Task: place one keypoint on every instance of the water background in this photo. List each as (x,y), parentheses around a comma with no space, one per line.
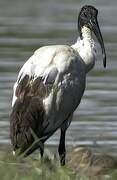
(26,25)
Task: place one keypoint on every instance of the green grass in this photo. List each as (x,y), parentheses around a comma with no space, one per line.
(78,167)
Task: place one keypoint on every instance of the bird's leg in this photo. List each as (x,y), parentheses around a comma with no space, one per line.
(61,148)
(42,151)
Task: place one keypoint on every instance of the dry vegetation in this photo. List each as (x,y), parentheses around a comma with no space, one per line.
(81,165)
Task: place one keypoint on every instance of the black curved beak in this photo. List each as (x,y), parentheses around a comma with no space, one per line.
(95,28)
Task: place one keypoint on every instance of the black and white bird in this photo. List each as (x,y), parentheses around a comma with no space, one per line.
(50,86)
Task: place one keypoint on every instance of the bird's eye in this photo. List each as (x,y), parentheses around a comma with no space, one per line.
(85,15)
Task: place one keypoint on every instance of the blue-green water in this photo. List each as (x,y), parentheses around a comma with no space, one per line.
(26,25)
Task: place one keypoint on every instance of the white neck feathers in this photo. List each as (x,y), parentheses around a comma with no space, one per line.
(86,48)
(86,33)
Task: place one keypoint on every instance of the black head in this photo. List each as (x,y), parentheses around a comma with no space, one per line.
(88,17)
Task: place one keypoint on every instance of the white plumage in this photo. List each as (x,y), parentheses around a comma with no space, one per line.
(70,77)
(59,56)
(69,82)
(62,70)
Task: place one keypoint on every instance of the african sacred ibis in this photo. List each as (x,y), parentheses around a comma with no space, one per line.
(50,86)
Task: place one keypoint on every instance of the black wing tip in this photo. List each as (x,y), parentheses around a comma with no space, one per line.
(25,115)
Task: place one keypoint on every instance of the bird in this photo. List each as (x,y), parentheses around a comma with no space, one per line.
(50,86)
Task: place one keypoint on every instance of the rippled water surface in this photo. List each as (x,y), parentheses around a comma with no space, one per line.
(26,25)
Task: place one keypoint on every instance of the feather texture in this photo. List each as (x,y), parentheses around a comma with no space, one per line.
(55,77)
(50,86)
